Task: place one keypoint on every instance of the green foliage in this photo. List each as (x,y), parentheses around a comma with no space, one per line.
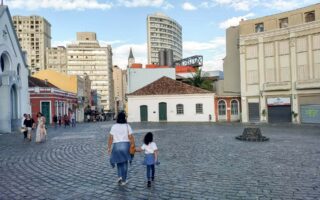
(198,80)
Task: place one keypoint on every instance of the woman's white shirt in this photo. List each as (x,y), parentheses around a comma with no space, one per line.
(120,132)
(150,148)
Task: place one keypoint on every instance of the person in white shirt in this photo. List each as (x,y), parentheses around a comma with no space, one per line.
(118,147)
(151,156)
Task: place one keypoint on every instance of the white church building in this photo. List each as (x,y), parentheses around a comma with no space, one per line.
(14,96)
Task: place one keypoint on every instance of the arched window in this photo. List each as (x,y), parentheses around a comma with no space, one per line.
(2,63)
(222,107)
(234,107)
(180,110)
(18,70)
(310,16)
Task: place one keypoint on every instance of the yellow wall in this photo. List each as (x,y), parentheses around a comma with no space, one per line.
(62,81)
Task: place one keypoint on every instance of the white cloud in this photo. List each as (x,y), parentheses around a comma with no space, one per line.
(145,3)
(188,6)
(61,43)
(282,5)
(191,47)
(59,4)
(121,54)
(234,21)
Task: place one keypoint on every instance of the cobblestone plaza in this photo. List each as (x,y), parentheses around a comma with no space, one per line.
(198,161)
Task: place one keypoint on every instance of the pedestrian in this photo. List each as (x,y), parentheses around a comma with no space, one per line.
(30,125)
(150,156)
(55,121)
(73,119)
(59,119)
(41,128)
(66,120)
(118,147)
(88,118)
(24,130)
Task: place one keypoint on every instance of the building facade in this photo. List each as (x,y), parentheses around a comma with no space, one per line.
(13,76)
(280,67)
(70,83)
(86,56)
(169,100)
(163,33)
(34,33)
(56,59)
(119,93)
(50,100)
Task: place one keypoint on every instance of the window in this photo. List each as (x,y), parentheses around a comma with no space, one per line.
(283,23)
(222,107)
(18,70)
(309,16)
(199,108)
(259,27)
(179,109)
(234,107)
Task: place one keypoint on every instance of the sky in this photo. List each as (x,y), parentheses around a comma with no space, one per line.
(122,23)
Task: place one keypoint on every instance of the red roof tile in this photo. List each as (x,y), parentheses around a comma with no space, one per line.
(35,82)
(168,86)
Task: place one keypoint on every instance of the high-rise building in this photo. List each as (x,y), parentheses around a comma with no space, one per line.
(163,33)
(34,34)
(118,89)
(86,56)
(56,59)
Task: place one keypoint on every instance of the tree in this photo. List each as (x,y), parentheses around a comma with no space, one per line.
(198,80)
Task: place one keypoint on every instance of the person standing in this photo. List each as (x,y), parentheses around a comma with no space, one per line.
(29,124)
(73,119)
(25,133)
(118,147)
(55,121)
(41,128)
(59,119)
(150,156)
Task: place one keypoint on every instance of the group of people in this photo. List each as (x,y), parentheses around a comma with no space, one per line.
(66,120)
(28,125)
(119,150)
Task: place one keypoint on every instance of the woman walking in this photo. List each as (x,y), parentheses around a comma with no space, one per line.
(29,124)
(41,128)
(118,147)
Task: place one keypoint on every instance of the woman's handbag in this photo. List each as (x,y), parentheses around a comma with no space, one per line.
(132,149)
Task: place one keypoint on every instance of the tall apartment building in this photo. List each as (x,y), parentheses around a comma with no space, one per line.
(280,67)
(163,33)
(56,59)
(119,95)
(85,55)
(34,34)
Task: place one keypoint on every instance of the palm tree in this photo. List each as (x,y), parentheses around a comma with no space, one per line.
(198,80)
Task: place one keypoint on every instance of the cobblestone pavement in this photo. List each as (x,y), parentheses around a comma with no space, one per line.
(198,161)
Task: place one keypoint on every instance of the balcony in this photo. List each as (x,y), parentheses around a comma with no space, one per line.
(277,86)
(308,84)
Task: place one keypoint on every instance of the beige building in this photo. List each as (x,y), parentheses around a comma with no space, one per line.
(280,67)
(119,95)
(34,34)
(86,56)
(163,33)
(56,59)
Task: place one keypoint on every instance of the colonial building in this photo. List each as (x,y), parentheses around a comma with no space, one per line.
(70,83)
(87,56)
(34,33)
(280,67)
(14,97)
(50,100)
(169,100)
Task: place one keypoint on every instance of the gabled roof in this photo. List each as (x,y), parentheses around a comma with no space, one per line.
(35,82)
(168,86)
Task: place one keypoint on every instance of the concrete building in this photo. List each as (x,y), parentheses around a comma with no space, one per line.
(280,67)
(56,59)
(34,33)
(13,76)
(169,100)
(138,78)
(163,33)
(81,86)
(86,56)
(119,93)
(50,100)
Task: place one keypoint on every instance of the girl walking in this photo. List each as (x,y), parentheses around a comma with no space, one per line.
(150,156)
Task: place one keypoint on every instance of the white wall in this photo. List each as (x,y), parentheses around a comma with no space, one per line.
(138,78)
(188,100)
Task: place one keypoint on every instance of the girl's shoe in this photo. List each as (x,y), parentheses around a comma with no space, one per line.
(119,181)
(123,183)
(149,183)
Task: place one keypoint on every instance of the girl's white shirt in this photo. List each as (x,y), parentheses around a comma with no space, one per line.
(150,148)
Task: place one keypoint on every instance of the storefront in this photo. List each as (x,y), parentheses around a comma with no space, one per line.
(309,107)
(279,109)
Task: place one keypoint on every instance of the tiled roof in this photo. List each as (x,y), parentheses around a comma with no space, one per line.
(168,86)
(35,82)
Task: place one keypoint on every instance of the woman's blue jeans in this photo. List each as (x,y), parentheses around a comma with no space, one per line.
(122,170)
(150,172)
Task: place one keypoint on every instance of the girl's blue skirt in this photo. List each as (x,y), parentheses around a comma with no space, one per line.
(120,153)
(149,159)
